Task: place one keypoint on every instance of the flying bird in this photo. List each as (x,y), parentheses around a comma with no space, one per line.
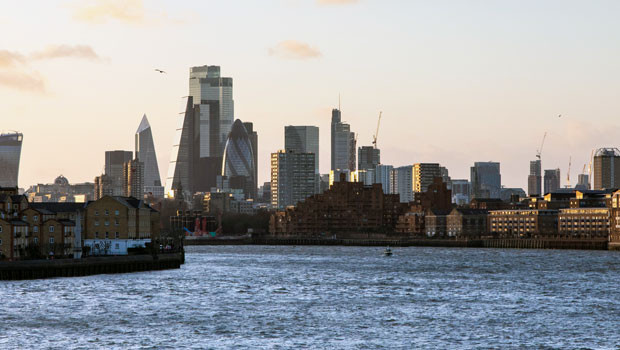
(160,71)
(560,116)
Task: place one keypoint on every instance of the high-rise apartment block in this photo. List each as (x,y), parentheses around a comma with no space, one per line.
(403,183)
(534,179)
(461,190)
(343,144)
(424,174)
(10,153)
(368,158)
(606,168)
(133,179)
(486,180)
(384,176)
(292,177)
(552,180)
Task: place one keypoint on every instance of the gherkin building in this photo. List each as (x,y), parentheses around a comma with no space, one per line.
(238,162)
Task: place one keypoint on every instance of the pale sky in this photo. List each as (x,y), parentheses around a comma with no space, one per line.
(457,81)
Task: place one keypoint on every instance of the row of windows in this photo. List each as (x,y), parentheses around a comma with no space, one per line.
(107,223)
(107,212)
(107,235)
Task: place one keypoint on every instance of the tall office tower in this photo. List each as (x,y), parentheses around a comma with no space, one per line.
(534,179)
(10,153)
(253,135)
(552,180)
(583,182)
(460,191)
(486,180)
(606,168)
(292,177)
(114,169)
(145,153)
(103,186)
(368,158)
(133,179)
(197,151)
(383,176)
(303,139)
(403,183)
(238,161)
(424,174)
(343,144)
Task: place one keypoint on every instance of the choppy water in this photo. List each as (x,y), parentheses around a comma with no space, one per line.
(251,297)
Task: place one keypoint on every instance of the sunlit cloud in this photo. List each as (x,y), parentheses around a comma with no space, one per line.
(10,58)
(291,49)
(61,51)
(101,11)
(336,2)
(31,82)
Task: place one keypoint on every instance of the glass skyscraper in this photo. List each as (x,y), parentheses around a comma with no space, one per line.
(343,144)
(303,139)
(238,162)
(145,154)
(10,153)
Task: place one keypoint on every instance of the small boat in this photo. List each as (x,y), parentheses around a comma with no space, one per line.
(387,252)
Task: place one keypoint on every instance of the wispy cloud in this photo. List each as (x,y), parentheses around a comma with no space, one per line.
(100,11)
(16,71)
(24,81)
(336,2)
(10,58)
(62,51)
(292,49)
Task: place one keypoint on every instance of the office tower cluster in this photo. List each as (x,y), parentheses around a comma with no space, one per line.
(212,152)
(132,175)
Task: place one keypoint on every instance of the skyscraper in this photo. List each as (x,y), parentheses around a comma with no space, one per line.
(10,153)
(238,161)
(114,169)
(368,158)
(424,174)
(133,179)
(196,158)
(606,168)
(145,154)
(534,179)
(403,183)
(486,180)
(303,139)
(552,180)
(253,135)
(343,144)
(292,178)
(384,176)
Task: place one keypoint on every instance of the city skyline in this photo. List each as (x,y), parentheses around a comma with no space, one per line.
(453,105)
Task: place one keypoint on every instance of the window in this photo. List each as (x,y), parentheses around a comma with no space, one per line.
(116,235)
(35,229)
(96,234)
(96,212)
(107,223)
(116,212)
(36,240)
(35,218)
(116,246)
(25,218)
(0,228)
(107,212)
(51,240)
(96,222)
(0,242)
(107,235)
(51,228)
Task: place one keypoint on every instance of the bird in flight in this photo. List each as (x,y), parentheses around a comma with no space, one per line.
(159,70)
(560,116)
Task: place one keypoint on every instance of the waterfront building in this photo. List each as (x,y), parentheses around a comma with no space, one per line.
(197,152)
(145,154)
(238,161)
(343,144)
(115,224)
(437,199)
(486,180)
(584,222)
(403,183)
(424,174)
(460,191)
(523,222)
(534,179)
(465,222)
(384,176)
(10,153)
(292,178)
(614,227)
(346,208)
(552,180)
(606,168)
(435,223)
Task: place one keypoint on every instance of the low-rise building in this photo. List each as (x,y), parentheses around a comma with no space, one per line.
(584,222)
(523,222)
(463,222)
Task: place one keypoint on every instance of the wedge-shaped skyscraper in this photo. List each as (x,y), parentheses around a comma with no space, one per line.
(10,153)
(145,154)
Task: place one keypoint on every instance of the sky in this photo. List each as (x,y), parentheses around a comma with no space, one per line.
(457,81)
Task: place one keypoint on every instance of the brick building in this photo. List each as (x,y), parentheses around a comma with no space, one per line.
(523,222)
(462,222)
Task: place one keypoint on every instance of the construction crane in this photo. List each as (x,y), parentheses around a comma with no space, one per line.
(374,138)
(539,150)
(568,172)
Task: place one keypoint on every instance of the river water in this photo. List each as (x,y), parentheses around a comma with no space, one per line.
(265,297)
